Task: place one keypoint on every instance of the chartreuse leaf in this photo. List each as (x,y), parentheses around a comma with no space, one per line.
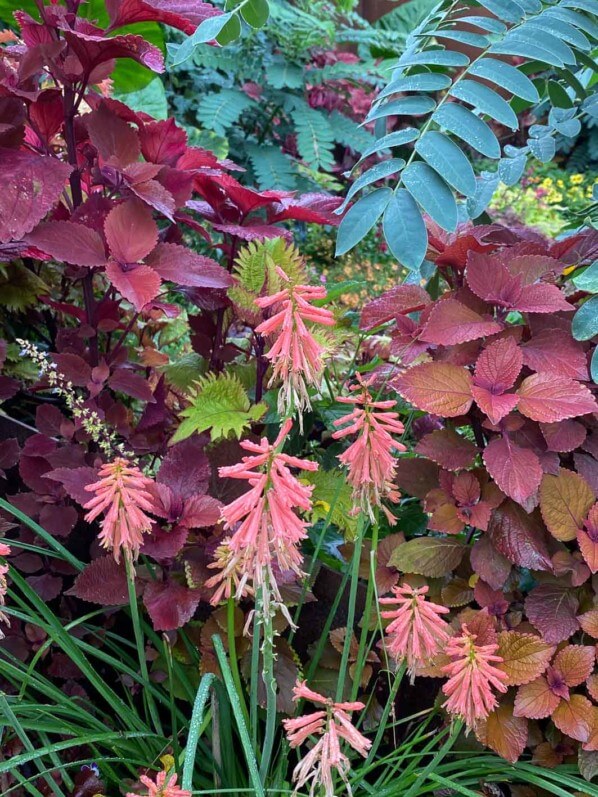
(331,499)
(219,403)
(405,230)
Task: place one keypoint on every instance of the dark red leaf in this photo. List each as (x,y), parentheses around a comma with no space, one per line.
(401,300)
(185,15)
(163,142)
(125,381)
(554,351)
(116,141)
(131,232)
(170,604)
(139,284)
(47,586)
(417,476)
(58,520)
(184,267)
(156,196)
(552,609)
(516,470)
(102,581)
(489,563)
(9,453)
(164,544)
(448,449)
(92,49)
(73,368)
(186,469)
(74,481)
(563,436)
(519,536)
(451,322)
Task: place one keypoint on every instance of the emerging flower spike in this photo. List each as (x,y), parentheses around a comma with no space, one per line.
(417,631)
(163,786)
(4,551)
(122,493)
(295,354)
(472,676)
(369,458)
(267,530)
(331,724)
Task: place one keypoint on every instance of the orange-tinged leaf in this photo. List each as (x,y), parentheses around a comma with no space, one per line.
(592,743)
(589,622)
(428,556)
(440,388)
(536,700)
(525,656)
(548,398)
(592,687)
(575,663)
(546,756)
(589,549)
(565,501)
(451,322)
(574,717)
(504,732)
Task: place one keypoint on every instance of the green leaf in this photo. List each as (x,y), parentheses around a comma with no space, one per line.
(432,193)
(486,101)
(415,105)
(360,218)
(558,95)
(425,81)
(255,12)
(561,30)
(377,172)
(447,159)
(284,74)
(511,169)
(405,230)
(463,37)
(349,133)
(230,32)
(486,186)
(272,168)
(434,58)
(428,556)
(397,139)
(332,498)
(150,99)
(220,110)
(588,280)
(220,403)
(594,366)
(470,128)
(573,18)
(503,9)
(585,320)
(542,148)
(315,139)
(183,372)
(208,30)
(531,45)
(507,76)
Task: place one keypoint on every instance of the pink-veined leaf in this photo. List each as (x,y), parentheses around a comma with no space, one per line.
(440,388)
(69,242)
(402,300)
(92,49)
(516,470)
(138,284)
(563,436)
(131,232)
(163,142)
(555,351)
(520,537)
(548,398)
(184,15)
(499,365)
(495,406)
(451,322)
(116,141)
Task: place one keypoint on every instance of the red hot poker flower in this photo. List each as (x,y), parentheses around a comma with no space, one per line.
(163,786)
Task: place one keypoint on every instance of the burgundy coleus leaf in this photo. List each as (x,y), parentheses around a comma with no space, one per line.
(552,609)
(58,520)
(163,142)
(402,300)
(31,186)
(519,536)
(123,380)
(74,481)
(404,340)
(456,504)
(417,477)
(490,279)
(451,322)
(489,563)
(9,454)
(555,351)
(164,544)
(184,15)
(200,511)
(452,248)
(116,141)
(102,581)
(184,267)
(496,371)
(170,604)
(93,49)
(310,208)
(448,449)
(47,586)
(563,436)
(186,469)
(68,242)
(587,539)
(547,398)
(516,470)
(150,191)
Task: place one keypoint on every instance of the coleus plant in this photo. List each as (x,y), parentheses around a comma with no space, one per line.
(505,462)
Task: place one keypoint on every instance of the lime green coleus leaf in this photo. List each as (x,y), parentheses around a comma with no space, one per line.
(332,500)
(221,404)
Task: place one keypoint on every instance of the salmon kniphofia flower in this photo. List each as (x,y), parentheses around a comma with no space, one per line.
(417,631)
(295,354)
(122,493)
(331,724)
(369,458)
(472,677)
(163,786)
(4,551)
(266,530)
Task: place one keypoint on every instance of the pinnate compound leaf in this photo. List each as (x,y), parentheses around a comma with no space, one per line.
(431,192)
(575,663)
(548,398)
(504,732)
(219,403)
(452,322)
(448,449)
(552,609)
(440,388)
(69,242)
(574,717)
(360,218)
(516,470)
(405,230)
(402,300)
(536,700)
(565,501)
(525,656)
(520,537)
(102,581)
(428,556)
(31,186)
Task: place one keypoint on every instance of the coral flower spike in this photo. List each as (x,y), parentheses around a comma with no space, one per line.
(122,494)
(370,458)
(295,354)
(163,786)
(472,678)
(417,631)
(4,551)
(331,724)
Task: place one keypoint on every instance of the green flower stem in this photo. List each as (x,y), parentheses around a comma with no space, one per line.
(364,648)
(269,679)
(387,709)
(195,728)
(342,673)
(232,653)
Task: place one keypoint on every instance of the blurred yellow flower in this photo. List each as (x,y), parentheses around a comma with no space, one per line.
(576,179)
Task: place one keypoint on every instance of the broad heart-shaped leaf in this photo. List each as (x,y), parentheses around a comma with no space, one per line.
(489,564)
(184,267)
(360,218)
(516,470)
(554,351)
(102,581)
(564,436)
(524,656)
(440,388)
(552,609)
(31,186)
(404,229)
(402,300)
(565,501)
(469,128)
(447,159)
(575,663)
(499,365)
(503,732)
(428,556)
(574,717)
(139,284)
(585,320)
(520,537)
(496,407)
(547,398)
(448,449)
(536,700)
(451,322)
(72,243)
(130,231)
(170,604)
(432,193)
(221,404)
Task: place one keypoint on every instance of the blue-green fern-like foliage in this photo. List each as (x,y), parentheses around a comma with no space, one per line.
(463,76)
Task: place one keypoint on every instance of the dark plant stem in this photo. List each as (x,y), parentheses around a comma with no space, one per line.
(478,432)
(215,362)
(261,367)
